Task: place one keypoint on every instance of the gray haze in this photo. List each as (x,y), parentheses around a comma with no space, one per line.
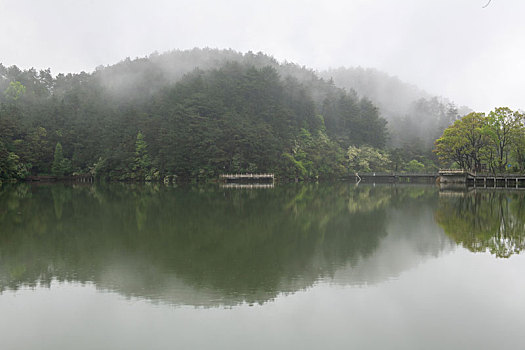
(457,49)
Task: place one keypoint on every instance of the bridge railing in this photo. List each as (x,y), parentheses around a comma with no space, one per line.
(246,175)
(510,175)
(396,174)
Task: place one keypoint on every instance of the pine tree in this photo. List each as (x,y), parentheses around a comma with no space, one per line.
(142,161)
(61,165)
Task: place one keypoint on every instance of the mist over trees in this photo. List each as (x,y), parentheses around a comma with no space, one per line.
(202,112)
(415,118)
(153,117)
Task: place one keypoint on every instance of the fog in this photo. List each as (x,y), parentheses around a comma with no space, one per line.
(459,50)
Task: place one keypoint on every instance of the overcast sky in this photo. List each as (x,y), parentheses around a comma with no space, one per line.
(453,48)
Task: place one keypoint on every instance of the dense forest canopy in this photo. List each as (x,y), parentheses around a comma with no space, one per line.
(196,114)
(479,142)
(415,118)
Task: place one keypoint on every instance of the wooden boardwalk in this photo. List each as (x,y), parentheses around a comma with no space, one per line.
(394,177)
(445,176)
(494,181)
(470,179)
(52,178)
(247,178)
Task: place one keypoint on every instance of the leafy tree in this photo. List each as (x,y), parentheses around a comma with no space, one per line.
(477,141)
(518,150)
(314,155)
(504,129)
(142,167)
(61,165)
(491,221)
(414,166)
(10,165)
(142,161)
(35,149)
(366,159)
(463,142)
(15,91)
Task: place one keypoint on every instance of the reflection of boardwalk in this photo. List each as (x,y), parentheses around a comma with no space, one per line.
(247,178)
(236,185)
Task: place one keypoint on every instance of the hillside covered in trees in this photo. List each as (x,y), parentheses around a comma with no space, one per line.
(415,118)
(193,114)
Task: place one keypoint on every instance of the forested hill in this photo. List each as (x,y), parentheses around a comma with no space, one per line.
(148,118)
(415,118)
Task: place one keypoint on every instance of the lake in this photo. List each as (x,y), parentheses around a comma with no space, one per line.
(298,266)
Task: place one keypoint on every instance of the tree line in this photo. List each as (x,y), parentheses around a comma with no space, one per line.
(149,118)
(236,118)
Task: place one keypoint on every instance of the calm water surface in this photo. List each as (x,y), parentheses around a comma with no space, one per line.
(292,267)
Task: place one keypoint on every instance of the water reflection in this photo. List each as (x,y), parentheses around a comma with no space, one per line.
(213,246)
(485,220)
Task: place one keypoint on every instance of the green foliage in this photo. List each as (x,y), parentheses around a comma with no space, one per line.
(137,121)
(206,238)
(294,168)
(142,161)
(61,165)
(504,130)
(491,221)
(315,155)
(415,120)
(478,142)
(35,148)
(10,165)
(14,91)
(142,167)
(414,166)
(367,159)
(353,121)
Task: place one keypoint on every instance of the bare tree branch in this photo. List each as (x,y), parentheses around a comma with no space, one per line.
(488,3)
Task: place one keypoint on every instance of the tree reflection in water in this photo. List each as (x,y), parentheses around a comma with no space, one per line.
(485,220)
(192,245)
